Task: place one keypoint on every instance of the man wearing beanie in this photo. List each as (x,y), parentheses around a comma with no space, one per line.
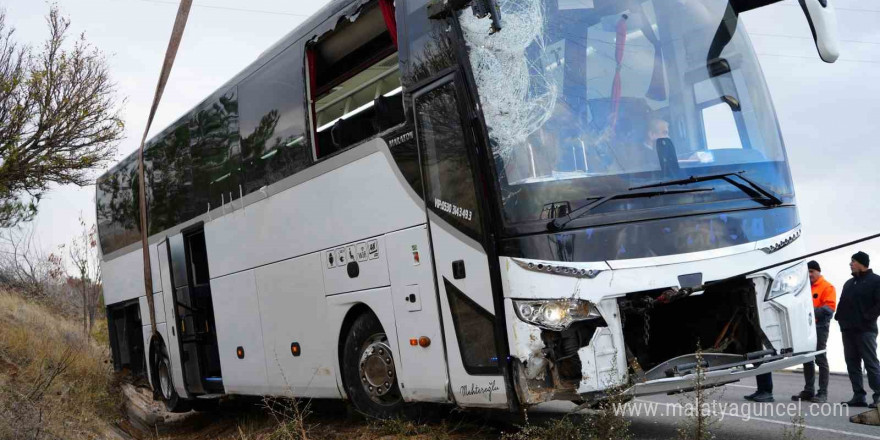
(824,302)
(857,315)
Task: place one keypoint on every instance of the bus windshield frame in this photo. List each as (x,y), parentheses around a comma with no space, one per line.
(583,99)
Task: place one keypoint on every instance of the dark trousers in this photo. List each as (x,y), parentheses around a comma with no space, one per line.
(765,382)
(858,347)
(821,361)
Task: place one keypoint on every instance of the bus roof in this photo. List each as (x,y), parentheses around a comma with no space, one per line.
(314,26)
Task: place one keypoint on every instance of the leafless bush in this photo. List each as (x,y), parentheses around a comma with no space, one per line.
(86,279)
(609,422)
(68,280)
(24,264)
(290,418)
(796,430)
(700,419)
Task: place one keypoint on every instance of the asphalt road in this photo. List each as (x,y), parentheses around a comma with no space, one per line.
(740,419)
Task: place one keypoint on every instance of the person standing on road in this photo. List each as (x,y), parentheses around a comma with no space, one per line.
(764,392)
(857,315)
(824,303)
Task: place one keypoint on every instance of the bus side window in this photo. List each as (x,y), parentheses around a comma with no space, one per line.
(354,82)
(272,122)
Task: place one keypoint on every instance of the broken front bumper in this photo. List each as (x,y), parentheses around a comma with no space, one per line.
(719,374)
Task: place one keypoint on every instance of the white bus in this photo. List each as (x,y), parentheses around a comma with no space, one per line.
(488,203)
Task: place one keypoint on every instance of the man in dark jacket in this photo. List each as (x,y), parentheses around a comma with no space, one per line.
(857,314)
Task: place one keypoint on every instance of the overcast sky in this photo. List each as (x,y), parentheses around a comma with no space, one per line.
(829,114)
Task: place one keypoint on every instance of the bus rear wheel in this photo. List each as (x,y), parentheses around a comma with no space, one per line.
(368,368)
(173,402)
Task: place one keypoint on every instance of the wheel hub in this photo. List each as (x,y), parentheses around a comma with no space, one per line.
(376,369)
(164,381)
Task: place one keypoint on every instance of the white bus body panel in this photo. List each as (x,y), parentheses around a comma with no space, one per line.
(287,237)
(293,309)
(424,377)
(238,320)
(368,200)
(158,304)
(124,276)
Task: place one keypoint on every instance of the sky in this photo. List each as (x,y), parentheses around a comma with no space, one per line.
(828,113)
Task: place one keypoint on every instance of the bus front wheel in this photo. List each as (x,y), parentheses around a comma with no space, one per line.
(368,368)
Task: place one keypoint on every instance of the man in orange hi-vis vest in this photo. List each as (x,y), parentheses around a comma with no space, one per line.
(824,303)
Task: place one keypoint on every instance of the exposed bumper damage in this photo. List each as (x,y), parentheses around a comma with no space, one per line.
(646,341)
(564,365)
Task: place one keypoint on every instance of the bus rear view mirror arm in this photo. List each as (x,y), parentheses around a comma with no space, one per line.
(822,20)
(439,9)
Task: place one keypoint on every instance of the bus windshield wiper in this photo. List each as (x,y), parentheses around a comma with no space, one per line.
(559,223)
(761,194)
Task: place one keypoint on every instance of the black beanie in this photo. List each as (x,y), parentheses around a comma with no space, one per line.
(814,265)
(862,258)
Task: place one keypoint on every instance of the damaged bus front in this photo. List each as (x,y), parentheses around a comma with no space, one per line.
(637,156)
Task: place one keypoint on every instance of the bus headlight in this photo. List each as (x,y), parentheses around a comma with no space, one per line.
(791,280)
(555,314)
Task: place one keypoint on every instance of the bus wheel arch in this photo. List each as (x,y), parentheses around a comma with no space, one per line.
(366,361)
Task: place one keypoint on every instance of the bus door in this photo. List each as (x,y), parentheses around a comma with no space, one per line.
(194,312)
(461,265)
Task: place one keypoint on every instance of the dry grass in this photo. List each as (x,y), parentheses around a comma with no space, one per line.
(54,383)
(285,422)
(565,428)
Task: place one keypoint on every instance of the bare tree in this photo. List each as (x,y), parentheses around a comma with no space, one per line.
(83,253)
(24,265)
(59,116)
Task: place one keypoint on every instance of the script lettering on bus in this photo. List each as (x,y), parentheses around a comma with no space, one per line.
(457,211)
(476,390)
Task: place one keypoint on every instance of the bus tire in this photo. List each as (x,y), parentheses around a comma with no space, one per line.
(173,402)
(369,372)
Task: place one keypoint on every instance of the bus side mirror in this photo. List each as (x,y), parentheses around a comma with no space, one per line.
(821,17)
(823,22)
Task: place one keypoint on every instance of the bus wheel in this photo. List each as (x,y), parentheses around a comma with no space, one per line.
(368,368)
(173,402)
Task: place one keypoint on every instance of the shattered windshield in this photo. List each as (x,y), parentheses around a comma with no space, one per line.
(586,98)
